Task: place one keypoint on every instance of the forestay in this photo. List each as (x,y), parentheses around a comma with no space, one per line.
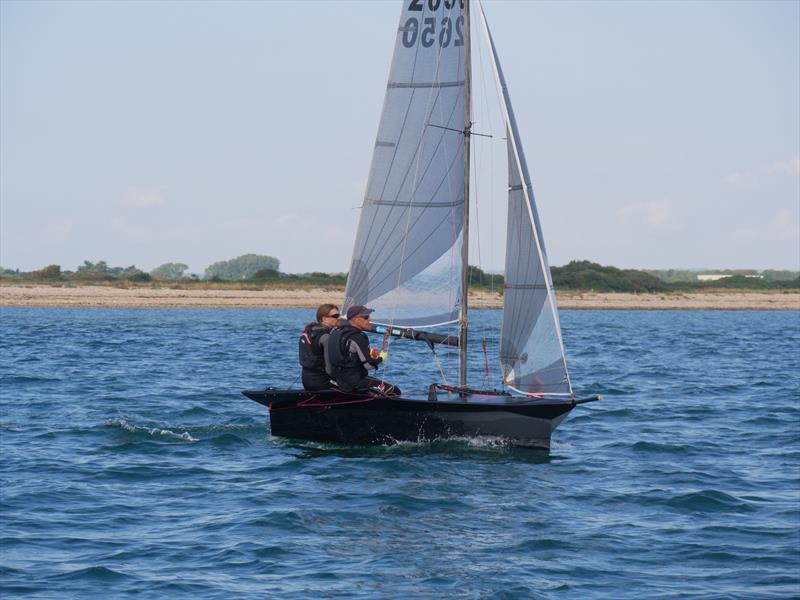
(531,351)
(407,256)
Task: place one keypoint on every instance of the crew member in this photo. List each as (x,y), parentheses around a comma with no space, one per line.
(313,340)
(350,358)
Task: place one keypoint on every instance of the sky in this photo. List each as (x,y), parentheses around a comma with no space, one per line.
(658,134)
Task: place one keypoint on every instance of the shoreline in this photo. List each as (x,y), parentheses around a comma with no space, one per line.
(45,296)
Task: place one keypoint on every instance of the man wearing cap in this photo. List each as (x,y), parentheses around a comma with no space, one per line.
(349,357)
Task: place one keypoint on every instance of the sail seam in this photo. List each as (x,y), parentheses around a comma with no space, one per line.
(425,84)
(412,204)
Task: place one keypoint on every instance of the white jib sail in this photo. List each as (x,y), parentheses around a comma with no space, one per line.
(531,350)
(407,255)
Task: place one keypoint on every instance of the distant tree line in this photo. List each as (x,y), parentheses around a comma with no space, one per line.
(585,275)
(265,270)
(588,276)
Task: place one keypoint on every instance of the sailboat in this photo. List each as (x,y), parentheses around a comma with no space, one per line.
(410,260)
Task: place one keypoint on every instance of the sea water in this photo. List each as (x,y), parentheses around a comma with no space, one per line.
(132,465)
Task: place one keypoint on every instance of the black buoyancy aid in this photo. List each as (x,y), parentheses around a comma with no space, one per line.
(310,352)
(338,352)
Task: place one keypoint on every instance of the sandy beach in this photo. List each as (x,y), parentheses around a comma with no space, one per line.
(152,297)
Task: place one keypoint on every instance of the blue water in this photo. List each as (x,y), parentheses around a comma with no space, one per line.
(131,464)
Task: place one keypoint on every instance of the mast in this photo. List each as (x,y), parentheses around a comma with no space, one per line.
(463,321)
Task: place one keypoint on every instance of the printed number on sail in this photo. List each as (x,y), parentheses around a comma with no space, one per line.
(428,35)
(433,5)
(411,30)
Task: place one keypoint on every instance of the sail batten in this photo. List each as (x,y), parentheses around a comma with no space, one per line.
(419,84)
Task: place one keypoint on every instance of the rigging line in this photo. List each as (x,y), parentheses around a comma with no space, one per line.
(524,307)
(415,186)
(377,235)
(461,131)
(387,252)
(394,155)
(487,107)
(453,291)
(428,111)
(376,238)
(525,311)
(417,249)
(511,121)
(388,175)
(479,157)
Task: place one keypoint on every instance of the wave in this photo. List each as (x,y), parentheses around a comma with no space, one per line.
(709,501)
(95,573)
(150,431)
(229,439)
(644,446)
(6,379)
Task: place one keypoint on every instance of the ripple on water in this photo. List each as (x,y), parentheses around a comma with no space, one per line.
(155,477)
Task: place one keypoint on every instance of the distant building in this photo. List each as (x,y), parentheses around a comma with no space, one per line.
(715,276)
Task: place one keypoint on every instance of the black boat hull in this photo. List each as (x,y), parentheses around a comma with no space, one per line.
(364,419)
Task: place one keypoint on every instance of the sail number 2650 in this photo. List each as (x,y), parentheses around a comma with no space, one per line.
(428,35)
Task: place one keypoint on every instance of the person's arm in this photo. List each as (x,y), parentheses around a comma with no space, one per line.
(323,342)
(368,363)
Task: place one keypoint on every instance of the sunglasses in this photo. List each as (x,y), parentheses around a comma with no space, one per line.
(336,316)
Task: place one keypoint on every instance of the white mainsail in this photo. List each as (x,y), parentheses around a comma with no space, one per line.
(531,350)
(407,255)
(407,260)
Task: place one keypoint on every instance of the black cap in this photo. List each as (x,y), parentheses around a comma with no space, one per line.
(358,310)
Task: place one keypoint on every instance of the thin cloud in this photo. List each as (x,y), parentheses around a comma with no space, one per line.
(143,199)
(656,214)
(790,167)
(288,220)
(292,222)
(784,226)
(59,228)
(745,178)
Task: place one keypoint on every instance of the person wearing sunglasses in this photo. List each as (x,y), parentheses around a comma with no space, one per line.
(349,357)
(312,348)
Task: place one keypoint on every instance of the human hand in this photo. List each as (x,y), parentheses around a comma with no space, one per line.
(374,354)
(384,355)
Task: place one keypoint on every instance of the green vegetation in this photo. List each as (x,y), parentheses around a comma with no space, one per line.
(87,273)
(585,275)
(773,275)
(242,267)
(479,278)
(254,272)
(49,272)
(169,271)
